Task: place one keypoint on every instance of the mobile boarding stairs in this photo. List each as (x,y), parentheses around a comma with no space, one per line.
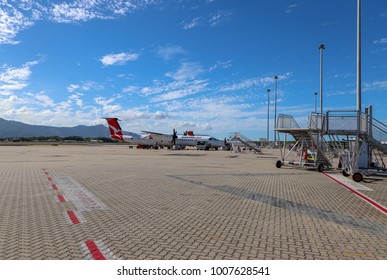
(310,149)
(237,136)
(365,147)
(336,135)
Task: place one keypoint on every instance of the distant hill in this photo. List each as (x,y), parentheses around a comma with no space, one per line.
(13,129)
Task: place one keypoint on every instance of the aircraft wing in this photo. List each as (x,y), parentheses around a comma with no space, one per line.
(155,133)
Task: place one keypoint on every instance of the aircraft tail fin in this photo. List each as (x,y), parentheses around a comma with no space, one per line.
(115,129)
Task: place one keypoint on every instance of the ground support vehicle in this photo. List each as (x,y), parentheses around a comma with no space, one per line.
(310,149)
(365,141)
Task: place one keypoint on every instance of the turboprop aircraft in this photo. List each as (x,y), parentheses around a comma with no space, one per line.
(148,139)
(206,142)
(155,139)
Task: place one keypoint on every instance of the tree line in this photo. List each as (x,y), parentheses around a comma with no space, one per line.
(57,139)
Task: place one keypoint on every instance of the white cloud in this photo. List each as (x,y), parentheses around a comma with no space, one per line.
(248,83)
(254,82)
(221,64)
(119,58)
(219,17)
(77,98)
(84,86)
(107,107)
(167,53)
(191,23)
(179,90)
(75,11)
(213,19)
(378,85)
(72,88)
(16,16)
(292,7)
(44,100)
(159,115)
(187,71)
(381,41)
(14,78)
(12,21)
(84,10)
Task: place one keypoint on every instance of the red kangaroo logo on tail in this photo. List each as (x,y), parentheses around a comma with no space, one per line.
(115,129)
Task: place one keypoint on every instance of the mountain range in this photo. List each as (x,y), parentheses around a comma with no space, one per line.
(13,129)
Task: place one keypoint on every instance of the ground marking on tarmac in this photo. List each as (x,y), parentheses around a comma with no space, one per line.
(83,200)
(78,194)
(352,184)
(49,178)
(96,250)
(73,217)
(362,196)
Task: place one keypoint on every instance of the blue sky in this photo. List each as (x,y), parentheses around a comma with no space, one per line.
(201,65)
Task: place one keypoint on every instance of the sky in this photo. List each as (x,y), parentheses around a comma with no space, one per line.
(201,65)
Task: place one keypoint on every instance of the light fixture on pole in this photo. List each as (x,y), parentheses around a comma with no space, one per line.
(275,110)
(268,103)
(358,86)
(321,48)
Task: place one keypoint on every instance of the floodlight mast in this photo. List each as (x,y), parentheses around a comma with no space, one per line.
(275,110)
(358,83)
(358,74)
(268,103)
(321,48)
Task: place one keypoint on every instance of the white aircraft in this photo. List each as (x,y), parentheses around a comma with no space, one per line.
(148,139)
(204,142)
(154,139)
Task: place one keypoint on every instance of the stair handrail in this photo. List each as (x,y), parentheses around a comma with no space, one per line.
(378,131)
(236,135)
(379,126)
(350,126)
(286,121)
(316,121)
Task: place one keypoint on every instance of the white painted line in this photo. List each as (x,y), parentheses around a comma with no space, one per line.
(75,192)
(359,194)
(349,182)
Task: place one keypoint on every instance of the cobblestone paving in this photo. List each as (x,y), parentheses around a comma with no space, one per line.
(111,202)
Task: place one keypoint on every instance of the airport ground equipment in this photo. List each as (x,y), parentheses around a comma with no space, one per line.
(238,137)
(311,149)
(364,147)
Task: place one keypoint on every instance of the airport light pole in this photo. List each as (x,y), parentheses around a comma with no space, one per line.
(268,103)
(275,110)
(321,48)
(358,85)
(358,78)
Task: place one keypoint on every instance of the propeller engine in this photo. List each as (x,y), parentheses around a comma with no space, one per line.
(174,137)
(227,145)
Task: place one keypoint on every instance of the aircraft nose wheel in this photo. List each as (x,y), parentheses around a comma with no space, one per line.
(357,177)
(278,164)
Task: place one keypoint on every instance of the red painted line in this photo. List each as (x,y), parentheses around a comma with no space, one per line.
(94,250)
(73,217)
(362,196)
(49,178)
(61,198)
(54,187)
